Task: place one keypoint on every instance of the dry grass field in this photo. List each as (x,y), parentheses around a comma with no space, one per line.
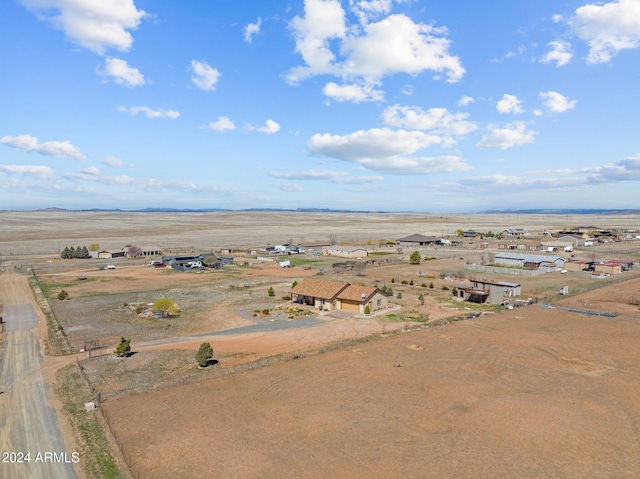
(530,392)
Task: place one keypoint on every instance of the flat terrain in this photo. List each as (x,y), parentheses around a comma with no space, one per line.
(530,392)
(525,393)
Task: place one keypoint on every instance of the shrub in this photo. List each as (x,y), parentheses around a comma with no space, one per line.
(62,295)
(399,295)
(411,283)
(271,292)
(205,352)
(431,285)
(393,280)
(165,304)
(367,310)
(124,348)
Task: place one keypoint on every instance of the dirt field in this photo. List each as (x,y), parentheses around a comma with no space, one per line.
(525,393)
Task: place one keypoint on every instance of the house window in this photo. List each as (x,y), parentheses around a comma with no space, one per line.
(379,302)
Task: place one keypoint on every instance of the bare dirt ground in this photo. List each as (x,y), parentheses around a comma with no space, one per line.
(525,393)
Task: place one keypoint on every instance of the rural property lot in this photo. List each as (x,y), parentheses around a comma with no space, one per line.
(526,393)
(530,392)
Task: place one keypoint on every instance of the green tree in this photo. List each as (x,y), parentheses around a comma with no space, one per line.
(65,253)
(94,247)
(367,309)
(62,295)
(124,348)
(271,292)
(165,304)
(85,252)
(205,352)
(71,252)
(460,232)
(399,295)
(431,285)
(77,253)
(415,257)
(295,283)
(421,298)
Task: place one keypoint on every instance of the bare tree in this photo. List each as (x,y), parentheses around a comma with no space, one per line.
(333,239)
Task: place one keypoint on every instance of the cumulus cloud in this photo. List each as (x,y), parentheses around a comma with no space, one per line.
(96,26)
(607,28)
(149,113)
(509,104)
(122,73)
(92,170)
(58,149)
(465,100)
(252,29)
(39,172)
(204,76)
(354,93)
(269,128)
(627,169)
(437,120)
(383,149)
(513,134)
(560,53)
(363,54)
(556,102)
(223,123)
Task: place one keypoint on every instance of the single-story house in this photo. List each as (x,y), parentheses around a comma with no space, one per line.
(151,251)
(493,292)
(345,252)
(577,265)
(319,293)
(514,232)
(519,245)
(331,295)
(111,253)
(356,298)
(530,261)
(418,240)
(576,239)
(471,234)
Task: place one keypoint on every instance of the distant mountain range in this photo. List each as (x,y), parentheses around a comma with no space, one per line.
(537,211)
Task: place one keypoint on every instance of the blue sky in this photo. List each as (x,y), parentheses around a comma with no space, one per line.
(396,105)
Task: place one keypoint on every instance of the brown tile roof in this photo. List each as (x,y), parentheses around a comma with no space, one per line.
(318,288)
(354,292)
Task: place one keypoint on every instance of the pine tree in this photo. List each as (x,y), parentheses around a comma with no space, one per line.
(205,352)
(124,348)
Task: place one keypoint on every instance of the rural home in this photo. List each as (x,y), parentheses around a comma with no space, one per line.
(330,295)
(493,292)
(356,298)
(151,251)
(626,265)
(575,238)
(418,240)
(514,232)
(319,293)
(531,261)
(345,252)
(111,253)
(471,234)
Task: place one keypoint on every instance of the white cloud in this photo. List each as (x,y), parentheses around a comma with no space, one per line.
(58,149)
(122,73)
(366,10)
(149,113)
(354,93)
(437,120)
(204,76)
(309,175)
(290,187)
(556,102)
(509,104)
(269,128)
(465,100)
(513,134)
(252,29)
(627,169)
(222,124)
(385,150)
(607,28)
(560,53)
(92,171)
(39,172)
(364,54)
(95,25)
(113,161)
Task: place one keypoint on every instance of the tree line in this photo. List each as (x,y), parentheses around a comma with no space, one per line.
(71,252)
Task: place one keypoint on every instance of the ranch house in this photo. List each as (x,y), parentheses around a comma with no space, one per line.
(327,295)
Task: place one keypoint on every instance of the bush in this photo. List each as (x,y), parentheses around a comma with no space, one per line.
(411,283)
(431,285)
(393,280)
(62,295)
(271,291)
(124,348)
(399,295)
(165,304)
(205,352)
(367,309)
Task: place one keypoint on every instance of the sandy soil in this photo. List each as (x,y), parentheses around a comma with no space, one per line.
(526,393)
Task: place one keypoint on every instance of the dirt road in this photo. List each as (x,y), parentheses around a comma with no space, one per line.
(30,440)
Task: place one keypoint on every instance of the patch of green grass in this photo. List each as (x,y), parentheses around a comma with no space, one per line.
(303,261)
(95,454)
